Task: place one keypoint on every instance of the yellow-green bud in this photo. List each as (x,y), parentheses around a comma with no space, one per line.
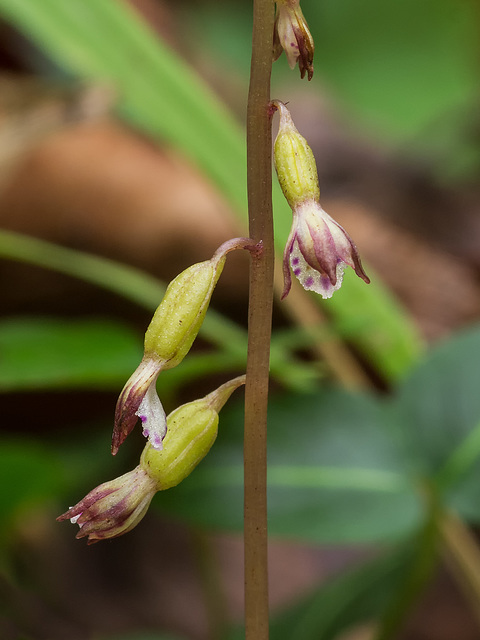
(294,161)
(179,317)
(191,431)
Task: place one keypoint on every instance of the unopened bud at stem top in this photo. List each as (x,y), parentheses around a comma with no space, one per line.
(291,34)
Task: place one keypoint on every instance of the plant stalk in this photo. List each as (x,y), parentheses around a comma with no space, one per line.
(259,177)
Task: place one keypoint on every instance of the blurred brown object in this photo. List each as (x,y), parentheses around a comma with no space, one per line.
(32,108)
(102,188)
(439,290)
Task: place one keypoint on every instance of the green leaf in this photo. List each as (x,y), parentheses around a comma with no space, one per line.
(439,408)
(45,353)
(337,473)
(439,404)
(381,330)
(414,63)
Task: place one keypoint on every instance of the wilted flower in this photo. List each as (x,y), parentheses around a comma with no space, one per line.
(168,339)
(291,35)
(318,249)
(115,507)
(139,399)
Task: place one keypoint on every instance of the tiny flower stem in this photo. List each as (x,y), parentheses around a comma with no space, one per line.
(259,174)
(235,243)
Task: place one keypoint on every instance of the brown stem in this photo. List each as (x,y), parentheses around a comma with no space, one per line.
(259,174)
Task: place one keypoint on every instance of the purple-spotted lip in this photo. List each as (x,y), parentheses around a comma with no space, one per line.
(131,398)
(153,418)
(318,250)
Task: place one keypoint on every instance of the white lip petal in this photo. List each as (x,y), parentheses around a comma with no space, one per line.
(311,279)
(153,417)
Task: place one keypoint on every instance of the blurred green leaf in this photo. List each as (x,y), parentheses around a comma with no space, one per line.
(406,71)
(439,404)
(358,595)
(439,408)
(337,473)
(349,468)
(43,353)
(391,344)
(163,96)
(401,66)
(29,474)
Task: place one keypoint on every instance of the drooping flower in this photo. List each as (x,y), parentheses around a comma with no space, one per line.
(318,249)
(113,508)
(291,34)
(168,339)
(116,507)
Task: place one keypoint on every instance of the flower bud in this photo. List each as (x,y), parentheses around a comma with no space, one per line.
(294,161)
(192,430)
